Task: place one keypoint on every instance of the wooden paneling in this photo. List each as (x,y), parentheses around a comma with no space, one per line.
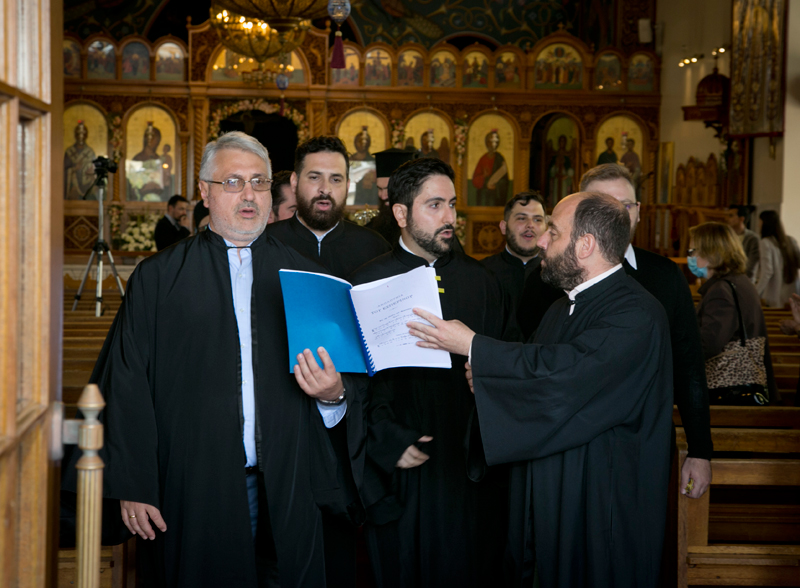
(28,318)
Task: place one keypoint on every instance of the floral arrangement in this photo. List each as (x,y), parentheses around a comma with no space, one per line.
(461,228)
(461,139)
(224,111)
(115,222)
(115,128)
(138,235)
(398,133)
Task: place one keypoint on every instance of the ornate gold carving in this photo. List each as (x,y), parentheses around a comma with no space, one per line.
(122,104)
(79,232)
(200,126)
(487,238)
(315,48)
(203,46)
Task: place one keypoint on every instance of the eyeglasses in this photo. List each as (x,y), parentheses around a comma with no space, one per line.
(630,206)
(691,253)
(237,184)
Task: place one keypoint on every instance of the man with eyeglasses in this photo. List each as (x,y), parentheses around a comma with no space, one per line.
(319,229)
(226,466)
(663,279)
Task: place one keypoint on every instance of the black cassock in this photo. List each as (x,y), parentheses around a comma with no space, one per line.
(431,525)
(586,412)
(512,275)
(346,248)
(170,371)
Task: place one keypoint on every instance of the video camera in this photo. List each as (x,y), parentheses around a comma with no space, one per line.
(103,166)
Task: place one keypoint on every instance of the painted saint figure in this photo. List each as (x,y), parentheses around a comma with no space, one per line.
(78,168)
(631,161)
(491,174)
(608,156)
(560,173)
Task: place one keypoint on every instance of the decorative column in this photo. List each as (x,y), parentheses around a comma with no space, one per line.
(200,130)
(184,137)
(90,487)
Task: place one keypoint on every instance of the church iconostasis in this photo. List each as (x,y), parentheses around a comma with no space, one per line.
(363,132)
(506,120)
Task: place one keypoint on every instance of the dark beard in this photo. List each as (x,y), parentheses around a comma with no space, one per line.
(562,271)
(430,243)
(316,219)
(513,245)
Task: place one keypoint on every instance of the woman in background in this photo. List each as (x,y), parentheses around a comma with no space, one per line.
(779,261)
(716,255)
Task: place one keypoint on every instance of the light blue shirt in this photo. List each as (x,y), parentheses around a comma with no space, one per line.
(242,288)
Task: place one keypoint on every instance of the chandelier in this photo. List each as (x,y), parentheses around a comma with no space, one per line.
(280,14)
(256,38)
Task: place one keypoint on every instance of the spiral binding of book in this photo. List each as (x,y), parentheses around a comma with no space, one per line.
(367,355)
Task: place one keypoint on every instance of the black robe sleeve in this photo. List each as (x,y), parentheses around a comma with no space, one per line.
(537,400)
(689,373)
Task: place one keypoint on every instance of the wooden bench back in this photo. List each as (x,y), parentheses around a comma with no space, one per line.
(773,463)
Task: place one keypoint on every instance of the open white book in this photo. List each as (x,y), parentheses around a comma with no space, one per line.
(363,328)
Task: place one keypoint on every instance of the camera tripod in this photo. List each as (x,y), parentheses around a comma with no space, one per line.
(99,248)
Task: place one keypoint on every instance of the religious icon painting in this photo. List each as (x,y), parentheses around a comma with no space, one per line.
(151,169)
(72,59)
(475,72)
(170,63)
(608,73)
(666,155)
(409,68)
(85,138)
(229,66)
(561,159)
(641,74)
(619,140)
(490,161)
(349,75)
(507,71)
(558,67)
(135,62)
(294,68)
(363,132)
(443,70)
(101,61)
(378,68)
(431,134)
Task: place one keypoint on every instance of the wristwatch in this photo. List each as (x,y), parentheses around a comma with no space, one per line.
(336,402)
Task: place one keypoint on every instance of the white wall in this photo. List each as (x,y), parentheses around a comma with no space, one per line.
(690,27)
(790,143)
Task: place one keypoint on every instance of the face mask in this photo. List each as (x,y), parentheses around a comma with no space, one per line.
(700,272)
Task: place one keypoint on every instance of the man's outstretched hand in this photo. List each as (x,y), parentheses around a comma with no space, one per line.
(452,336)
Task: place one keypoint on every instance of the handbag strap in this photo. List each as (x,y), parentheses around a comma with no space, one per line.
(738,313)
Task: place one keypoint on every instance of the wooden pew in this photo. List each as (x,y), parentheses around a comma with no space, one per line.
(777,417)
(703,562)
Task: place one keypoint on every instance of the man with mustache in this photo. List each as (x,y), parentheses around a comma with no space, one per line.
(319,230)
(583,412)
(222,464)
(524,221)
(428,523)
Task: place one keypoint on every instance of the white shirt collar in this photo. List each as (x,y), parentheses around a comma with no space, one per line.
(403,245)
(172,220)
(630,256)
(588,284)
